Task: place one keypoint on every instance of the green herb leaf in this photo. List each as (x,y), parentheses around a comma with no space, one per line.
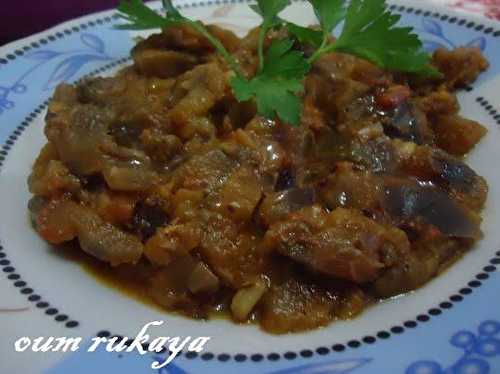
(171,10)
(329,12)
(276,88)
(305,35)
(274,97)
(281,60)
(140,17)
(370,32)
(269,10)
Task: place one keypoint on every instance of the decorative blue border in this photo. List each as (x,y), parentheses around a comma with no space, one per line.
(67,65)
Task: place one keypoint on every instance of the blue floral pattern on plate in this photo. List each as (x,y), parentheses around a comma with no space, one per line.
(441,40)
(334,367)
(477,349)
(67,65)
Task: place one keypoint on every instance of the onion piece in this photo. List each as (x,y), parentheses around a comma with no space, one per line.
(246,299)
(202,280)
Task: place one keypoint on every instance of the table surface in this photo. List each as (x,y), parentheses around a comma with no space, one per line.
(17,19)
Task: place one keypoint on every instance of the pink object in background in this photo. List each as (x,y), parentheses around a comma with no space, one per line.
(486,8)
(489,8)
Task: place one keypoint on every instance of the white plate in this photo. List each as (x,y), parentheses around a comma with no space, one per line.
(63,300)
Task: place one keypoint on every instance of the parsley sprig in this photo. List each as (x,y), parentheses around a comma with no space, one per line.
(269,10)
(140,17)
(276,87)
(330,14)
(370,31)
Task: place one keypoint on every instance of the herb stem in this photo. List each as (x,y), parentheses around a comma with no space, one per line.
(260,48)
(323,48)
(231,61)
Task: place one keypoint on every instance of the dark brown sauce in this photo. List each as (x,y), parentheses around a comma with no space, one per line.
(124,279)
(118,279)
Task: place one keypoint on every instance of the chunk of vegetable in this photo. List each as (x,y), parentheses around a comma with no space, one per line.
(348,245)
(172,242)
(434,206)
(457,135)
(202,280)
(245,300)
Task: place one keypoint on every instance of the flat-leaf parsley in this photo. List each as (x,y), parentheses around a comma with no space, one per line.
(369,31)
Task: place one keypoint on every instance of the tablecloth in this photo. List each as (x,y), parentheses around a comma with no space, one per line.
(488,8)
